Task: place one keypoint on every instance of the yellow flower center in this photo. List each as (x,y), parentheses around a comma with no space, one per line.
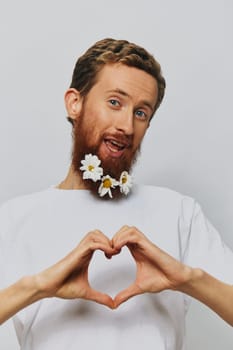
(124,179)
(107,183)
(91,167)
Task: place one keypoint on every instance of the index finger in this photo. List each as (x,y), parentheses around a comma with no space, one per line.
(126,235)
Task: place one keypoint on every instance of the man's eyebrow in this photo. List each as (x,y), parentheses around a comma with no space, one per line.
(119,91)
(125,94)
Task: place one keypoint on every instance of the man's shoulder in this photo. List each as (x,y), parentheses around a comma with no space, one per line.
(147,196)
(165,199)
(22,202)
(139,190)
(161,193)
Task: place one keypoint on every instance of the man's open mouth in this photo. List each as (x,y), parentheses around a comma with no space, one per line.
(115,145)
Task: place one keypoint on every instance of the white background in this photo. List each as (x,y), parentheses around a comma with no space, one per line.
(189,145)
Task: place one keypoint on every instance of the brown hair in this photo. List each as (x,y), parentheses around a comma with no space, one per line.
(112,51)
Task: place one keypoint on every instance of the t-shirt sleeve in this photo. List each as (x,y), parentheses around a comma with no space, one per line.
(6,222)
(3,229)
(204,246)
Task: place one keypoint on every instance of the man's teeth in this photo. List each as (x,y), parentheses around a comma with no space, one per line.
(116,144)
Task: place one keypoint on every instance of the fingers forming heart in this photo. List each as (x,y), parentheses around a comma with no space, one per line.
(112,275)
(123,277)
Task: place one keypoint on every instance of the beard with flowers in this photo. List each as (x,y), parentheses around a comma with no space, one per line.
(116,169)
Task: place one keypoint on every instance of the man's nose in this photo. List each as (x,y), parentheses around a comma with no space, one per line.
(125,122)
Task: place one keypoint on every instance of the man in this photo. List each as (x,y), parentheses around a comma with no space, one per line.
(115,90)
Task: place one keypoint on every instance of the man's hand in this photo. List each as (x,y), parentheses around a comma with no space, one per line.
(156,270)
(68,278)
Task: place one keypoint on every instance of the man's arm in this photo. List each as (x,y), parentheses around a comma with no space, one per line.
(66,279)
(158,271)
(16,297)
(212,292)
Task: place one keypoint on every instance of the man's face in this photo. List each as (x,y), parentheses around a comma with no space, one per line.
(114,118)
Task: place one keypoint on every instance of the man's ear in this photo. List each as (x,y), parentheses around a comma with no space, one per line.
(73,103)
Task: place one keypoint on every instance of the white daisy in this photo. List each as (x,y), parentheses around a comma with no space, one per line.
(106,185)
(90,167)
(126,182)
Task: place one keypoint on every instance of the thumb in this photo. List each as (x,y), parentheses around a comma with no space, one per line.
(99,298)
(126,294)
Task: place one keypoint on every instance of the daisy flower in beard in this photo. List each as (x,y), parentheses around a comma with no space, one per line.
(107,183)
(125,183)
(90,167)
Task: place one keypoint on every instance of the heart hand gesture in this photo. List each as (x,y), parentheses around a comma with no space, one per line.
(156,270)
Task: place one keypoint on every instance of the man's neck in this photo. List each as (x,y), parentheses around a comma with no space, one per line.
(73,181)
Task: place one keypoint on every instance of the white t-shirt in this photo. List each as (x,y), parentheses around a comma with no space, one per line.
(39,229)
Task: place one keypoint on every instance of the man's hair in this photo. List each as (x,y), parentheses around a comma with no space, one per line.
(109,51)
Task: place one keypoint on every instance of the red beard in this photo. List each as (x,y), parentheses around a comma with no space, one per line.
(113,167)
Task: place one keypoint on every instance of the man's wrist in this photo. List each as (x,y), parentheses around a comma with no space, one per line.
(193,281)
(30,287)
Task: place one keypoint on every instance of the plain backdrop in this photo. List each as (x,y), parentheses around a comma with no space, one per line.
(189,144)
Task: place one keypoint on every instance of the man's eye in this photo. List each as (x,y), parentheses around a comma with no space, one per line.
(114,102)
(140,114)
